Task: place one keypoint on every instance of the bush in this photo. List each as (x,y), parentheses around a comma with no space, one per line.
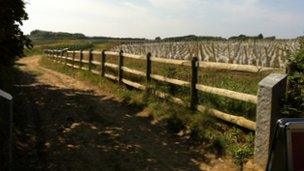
(294,105)
(241,155)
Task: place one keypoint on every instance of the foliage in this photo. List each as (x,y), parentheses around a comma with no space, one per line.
(294,104)
(12,39)
(244,37)
(39,34)
(242,154)
(191,38)
(158,39)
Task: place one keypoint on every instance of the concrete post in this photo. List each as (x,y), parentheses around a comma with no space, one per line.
(272,91)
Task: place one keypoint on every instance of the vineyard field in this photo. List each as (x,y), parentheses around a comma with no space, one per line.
(262,53)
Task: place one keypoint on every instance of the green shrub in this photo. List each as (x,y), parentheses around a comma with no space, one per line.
(294,105)
(242,154)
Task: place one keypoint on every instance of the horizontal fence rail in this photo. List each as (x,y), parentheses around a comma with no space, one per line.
(65,58)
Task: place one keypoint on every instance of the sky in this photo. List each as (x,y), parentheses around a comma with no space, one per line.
(165,18)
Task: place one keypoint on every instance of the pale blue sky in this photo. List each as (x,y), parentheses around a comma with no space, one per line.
(151,18)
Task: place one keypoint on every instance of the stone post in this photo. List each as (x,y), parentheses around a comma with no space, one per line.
(272,91)
(6,111)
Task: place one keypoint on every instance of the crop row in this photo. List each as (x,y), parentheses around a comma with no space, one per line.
(263,53)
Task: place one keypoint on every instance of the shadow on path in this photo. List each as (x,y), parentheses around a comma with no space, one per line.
(70,129)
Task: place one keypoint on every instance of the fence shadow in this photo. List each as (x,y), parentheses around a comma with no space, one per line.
(70,129)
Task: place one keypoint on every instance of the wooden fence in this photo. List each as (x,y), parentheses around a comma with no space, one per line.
(272,89)
(68,58)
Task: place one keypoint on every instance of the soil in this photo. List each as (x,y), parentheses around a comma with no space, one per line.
(67,124)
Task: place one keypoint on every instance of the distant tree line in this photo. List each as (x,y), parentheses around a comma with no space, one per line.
(213,38)
(48,35)
(258,37)
(244,37)
(189,38)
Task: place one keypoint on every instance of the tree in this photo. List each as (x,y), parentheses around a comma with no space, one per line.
(157,39)
(12,39)
(260,36)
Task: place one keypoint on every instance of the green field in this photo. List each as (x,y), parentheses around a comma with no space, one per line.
(72,44)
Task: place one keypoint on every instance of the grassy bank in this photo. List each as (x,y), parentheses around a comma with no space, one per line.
(214,135)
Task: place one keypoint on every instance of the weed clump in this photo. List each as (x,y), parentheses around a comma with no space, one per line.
(242,154)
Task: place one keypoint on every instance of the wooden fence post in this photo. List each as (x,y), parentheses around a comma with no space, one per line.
(66,58)
(120,65)
(73,59)
(272,90)
(193,90)
(102,63)
(81,58)
(90,59)
(149,68)
(61,56)
(57,56)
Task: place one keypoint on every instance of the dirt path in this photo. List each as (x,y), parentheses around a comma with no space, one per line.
(71,125)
